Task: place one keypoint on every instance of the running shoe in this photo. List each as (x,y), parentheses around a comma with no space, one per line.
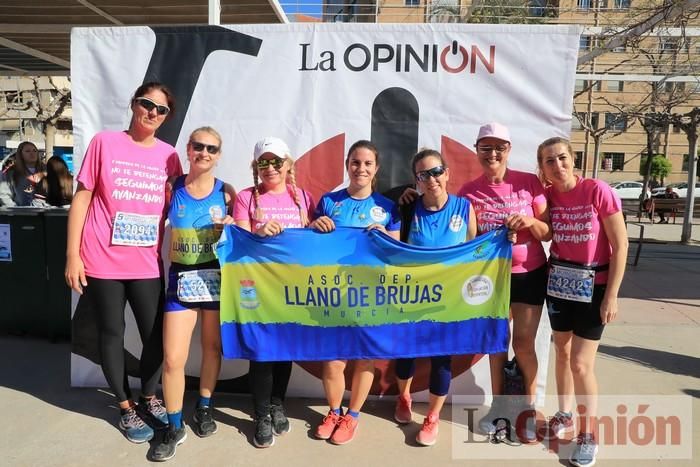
(585,451)
(263,433)
(427,436)
(280,423)
(402,413)
(203,421)
(134,427)
(328,425)
(172,438)
(347,427)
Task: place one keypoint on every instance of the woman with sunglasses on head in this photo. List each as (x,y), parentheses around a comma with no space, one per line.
(112,255)
(355,206)
(587,264)
(199,205)
(502,196)
(273,203)
(21,183)
(439,220)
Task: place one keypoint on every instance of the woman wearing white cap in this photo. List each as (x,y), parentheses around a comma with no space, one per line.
(355,206)
(502,196)
(273,203)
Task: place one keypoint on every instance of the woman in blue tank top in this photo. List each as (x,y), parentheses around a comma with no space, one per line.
(199,204)
(439,220)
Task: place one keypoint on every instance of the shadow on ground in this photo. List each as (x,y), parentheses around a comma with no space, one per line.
(668,362)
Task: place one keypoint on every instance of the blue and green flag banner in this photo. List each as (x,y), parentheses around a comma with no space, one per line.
(358,294)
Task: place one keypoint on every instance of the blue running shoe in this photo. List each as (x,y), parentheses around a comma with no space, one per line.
(134,427)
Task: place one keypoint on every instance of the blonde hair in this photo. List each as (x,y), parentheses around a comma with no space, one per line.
(545,144)
(206,129)
(293,192)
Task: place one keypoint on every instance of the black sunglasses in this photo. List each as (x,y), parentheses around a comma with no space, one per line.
(199,147)
(276,162)
(149,105)
(435,172)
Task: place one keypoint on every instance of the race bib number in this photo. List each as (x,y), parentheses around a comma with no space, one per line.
(201,285)
(571,283)
(135,229)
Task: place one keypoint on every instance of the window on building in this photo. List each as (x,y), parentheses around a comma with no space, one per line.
(412,2)
(583,4)
(578,160)
(667,44)
(613,161)
(616,86)
(621,4)
(537,8)
(584,43)
(671,86)
(576,123)
(615,122)
(684,168)
(582,84)
(595,117)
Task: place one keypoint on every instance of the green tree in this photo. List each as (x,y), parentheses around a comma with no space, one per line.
(660,167)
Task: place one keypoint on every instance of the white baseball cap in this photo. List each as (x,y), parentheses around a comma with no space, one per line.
(272,145)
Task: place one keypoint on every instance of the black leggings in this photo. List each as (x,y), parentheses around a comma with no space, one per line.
(268,384)
(109,297)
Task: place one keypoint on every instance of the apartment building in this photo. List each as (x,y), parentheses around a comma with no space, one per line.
(614,92)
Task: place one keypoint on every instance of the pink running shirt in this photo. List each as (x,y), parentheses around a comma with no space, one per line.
(577,222)
(123,177)
(274,206)
(493,202)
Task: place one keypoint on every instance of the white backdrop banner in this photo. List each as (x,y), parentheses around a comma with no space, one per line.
(321,87)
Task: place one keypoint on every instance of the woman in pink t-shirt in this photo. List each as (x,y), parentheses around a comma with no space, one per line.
(112,255)
(273,203)
(588,255)
(502,196)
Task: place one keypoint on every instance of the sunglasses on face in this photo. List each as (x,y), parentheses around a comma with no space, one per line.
(199,147)
(435,172)
(149,105)
(500,149)
(277,163)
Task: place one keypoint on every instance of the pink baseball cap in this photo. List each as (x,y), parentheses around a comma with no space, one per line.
(494,130)
(272,145)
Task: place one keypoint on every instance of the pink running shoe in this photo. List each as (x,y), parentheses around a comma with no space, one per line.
(427,436)
(403,414)
(347,426)
(328,425)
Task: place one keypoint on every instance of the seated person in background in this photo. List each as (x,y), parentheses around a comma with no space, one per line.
(668,194)
(58,183)
(20,185)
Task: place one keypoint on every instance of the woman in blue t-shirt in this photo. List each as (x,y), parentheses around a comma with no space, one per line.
(355,206)
(439,220)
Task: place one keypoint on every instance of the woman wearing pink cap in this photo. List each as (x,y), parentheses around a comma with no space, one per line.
(502,196)
(273,203)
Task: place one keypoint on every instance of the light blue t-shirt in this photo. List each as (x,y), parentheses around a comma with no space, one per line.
(349,212)
(446,227)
